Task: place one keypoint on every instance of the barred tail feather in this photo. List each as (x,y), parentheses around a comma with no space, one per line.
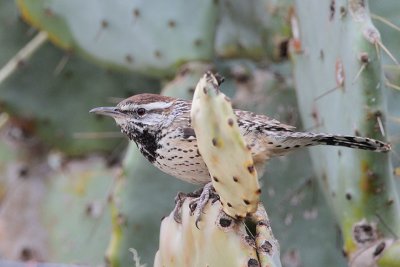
(282,143)
(354,142)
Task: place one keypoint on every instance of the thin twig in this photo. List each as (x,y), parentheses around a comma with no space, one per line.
(23,55)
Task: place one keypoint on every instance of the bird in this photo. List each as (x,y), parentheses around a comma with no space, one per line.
(161,128)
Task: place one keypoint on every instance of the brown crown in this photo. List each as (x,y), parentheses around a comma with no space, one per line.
(145,99)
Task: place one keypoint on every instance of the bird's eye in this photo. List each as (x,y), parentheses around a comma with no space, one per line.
(141,111)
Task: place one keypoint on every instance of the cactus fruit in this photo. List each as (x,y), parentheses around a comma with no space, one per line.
(221,241)
(359,185)
(223,149)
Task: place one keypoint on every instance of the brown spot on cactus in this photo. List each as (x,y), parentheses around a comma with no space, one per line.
(379,248)
(48,12)
(129,58)
(225,222)
(344,253)
(251,168)
(389,202)
(215,142)
(235,179)
(23,172)
(26,254)
(157,54)
(321,54)
(343,12)
(364,58)
(266,247)
(332,7)
(283,48)
(104,24)
(229,205)
(364,232)
(171,23)
(215,179)
(198,42)
(230,122)
(246,202)
(258,192)
(136,12)
(205,90)
(253,263)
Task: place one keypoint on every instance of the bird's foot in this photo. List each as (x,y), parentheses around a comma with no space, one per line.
(180,199)
(197,205)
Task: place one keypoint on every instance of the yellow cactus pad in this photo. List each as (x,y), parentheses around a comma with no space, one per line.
(221,240)
(223,149)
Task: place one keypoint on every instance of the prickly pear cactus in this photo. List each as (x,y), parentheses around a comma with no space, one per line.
(223,240)
(223,149)
(127,34)
(64,88)
(252,29)
(340,88)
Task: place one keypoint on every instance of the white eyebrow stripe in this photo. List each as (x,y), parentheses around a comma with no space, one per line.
(155,105)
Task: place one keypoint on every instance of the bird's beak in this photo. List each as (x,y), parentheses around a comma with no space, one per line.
(108,111)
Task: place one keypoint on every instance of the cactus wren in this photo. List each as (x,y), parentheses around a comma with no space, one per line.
(160,126)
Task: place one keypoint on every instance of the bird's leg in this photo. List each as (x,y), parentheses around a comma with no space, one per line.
(180,198)
(198,204)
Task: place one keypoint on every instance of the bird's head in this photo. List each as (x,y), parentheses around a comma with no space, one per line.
(141,113)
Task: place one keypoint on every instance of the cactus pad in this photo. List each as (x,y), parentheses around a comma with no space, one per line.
(223,149)
(222,240)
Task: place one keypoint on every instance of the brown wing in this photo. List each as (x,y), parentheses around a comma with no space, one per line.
(261,121)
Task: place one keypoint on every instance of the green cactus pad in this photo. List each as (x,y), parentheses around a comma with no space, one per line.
(132,35)
(340,87)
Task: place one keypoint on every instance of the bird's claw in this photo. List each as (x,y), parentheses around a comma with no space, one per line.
(179,199)
(197,205)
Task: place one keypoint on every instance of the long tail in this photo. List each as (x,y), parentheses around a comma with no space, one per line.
(286,142)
